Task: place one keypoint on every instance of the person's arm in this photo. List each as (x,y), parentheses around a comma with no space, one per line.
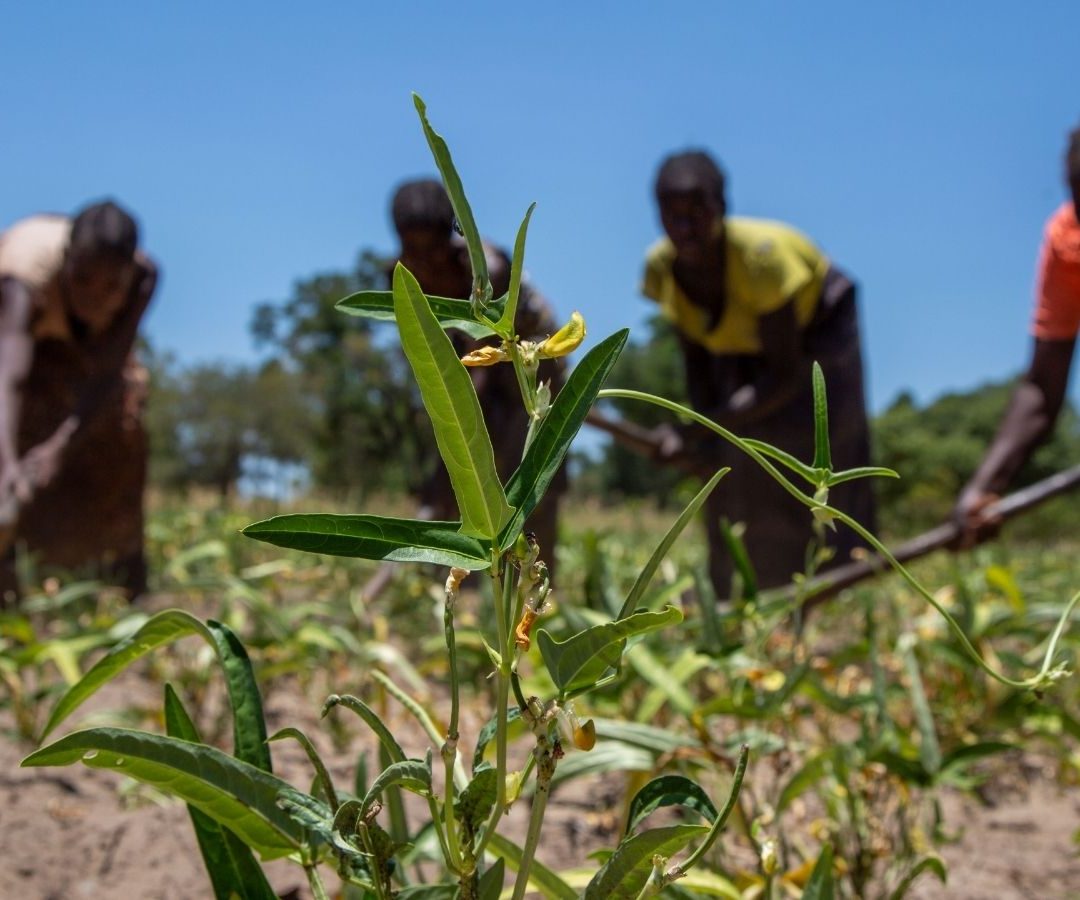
(16,355)
(784,375)
(1030,418)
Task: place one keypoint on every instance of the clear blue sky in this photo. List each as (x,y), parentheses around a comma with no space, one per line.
(919,143)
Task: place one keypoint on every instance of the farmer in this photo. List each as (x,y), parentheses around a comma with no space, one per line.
(438,257)
(1037,401)
(754,303)
(73,451)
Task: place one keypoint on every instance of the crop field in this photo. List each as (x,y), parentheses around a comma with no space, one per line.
(868,731)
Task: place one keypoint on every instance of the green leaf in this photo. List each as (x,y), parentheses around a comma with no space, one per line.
(462,210)
(475,803)
(491,882)
(608,756)
(931,863)
(740,558)
(310,813)
(517,265)
(229,861)
(820,886)
(411,774)
(371,718)
(379,305)
(487,735)
(541,878)
(581,660)
(822,453)
(633,599)
(648,737)
(527,486)
(313,756)
(929,748)
(624,875)
(860,472)
(249,723)
(375,537)
(249,728)
(669,790)
(233,793)
(816,768)
(451,403)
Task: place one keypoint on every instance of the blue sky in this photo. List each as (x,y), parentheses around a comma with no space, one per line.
(919,144)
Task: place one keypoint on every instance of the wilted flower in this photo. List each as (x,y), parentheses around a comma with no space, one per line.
(485,356)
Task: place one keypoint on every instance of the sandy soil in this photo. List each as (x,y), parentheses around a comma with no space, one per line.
(84,833)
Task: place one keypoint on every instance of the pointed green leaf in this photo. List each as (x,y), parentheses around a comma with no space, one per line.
(379,305)
(487,735)
(606,756)
(861,472)
(670,790)
(233,793)
(541,878)
(822,453)
(249,723)
(428,892)
(249,728)
(580,660)
(229,861)
(491,882)
(527,485)
(375,537)
(740,559)
(313,756)
(411,774)
(624,875)
(821,885)
(462,210)
(371,718)
(474,804)
(517,265)
(310,813)
(931,863)
(633,599)
(451,403)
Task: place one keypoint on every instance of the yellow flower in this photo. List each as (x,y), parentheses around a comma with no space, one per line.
(485,356)
(566,340)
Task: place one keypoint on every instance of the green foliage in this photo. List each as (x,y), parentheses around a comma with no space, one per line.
(454,409)
(369,432)
(938,446)
(235,794)
(213,424)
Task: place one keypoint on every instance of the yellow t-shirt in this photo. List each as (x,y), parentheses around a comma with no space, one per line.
(768,264)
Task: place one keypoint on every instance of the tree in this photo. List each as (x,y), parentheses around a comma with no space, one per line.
(937,448)
(370,431)
(212,424)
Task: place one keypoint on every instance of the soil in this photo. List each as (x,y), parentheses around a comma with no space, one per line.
(87,833)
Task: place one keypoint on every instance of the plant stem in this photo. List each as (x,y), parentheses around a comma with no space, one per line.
(545,770)
(318,889)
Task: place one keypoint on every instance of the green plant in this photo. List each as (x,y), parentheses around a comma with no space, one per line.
(237,800)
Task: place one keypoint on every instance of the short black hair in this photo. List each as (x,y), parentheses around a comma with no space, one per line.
(1072,156)
(690,170)
(422,203)
(104,230)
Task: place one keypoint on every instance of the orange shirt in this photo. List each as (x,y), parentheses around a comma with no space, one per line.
(1057,288)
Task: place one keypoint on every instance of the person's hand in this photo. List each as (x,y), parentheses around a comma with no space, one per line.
(15,487)
(973,518)
(42,463)
(668,442)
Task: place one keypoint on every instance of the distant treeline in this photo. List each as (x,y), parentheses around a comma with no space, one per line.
(331,407)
